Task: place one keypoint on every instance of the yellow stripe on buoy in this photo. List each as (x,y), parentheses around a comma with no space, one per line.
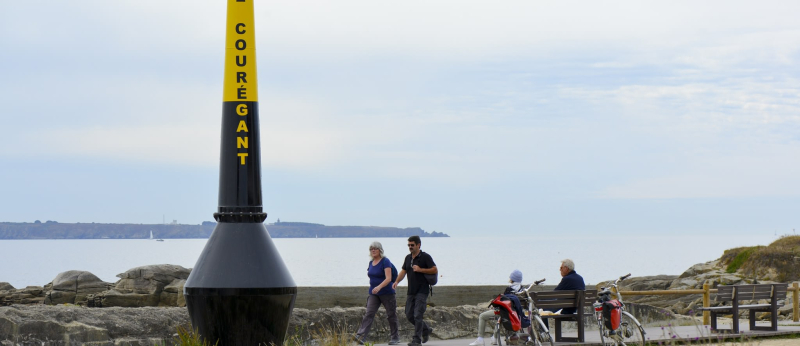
(240,82)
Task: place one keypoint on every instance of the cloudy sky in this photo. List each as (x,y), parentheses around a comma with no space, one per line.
(520,117)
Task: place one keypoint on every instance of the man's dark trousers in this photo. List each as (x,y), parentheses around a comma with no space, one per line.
(415,308)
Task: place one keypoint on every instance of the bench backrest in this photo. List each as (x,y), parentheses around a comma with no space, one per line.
(563,299)
(751,292)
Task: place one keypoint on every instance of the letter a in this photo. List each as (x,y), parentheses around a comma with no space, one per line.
(242,126)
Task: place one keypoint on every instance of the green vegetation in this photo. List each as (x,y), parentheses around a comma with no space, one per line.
(779,261)
(740,255)
(190,338)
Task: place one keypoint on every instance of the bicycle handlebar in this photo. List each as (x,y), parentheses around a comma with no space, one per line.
(621,278)
(538,282)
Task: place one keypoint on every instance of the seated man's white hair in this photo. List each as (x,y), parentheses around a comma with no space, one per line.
(568,263)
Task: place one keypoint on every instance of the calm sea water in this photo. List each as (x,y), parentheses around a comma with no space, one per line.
(343,261)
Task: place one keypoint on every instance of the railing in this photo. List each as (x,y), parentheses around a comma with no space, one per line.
(706,292)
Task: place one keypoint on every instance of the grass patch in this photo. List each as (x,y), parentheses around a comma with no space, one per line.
(779,261)
(739,257)
(189,337)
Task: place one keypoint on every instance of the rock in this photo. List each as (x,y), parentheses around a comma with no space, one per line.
(647,283)
(172,295)
(152,285)
(27,295)
(128,300)
(150,279)
(74,325)
(72,287)
(5,286)
(700,268)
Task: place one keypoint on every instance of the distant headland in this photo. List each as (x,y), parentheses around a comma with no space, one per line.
(57,230)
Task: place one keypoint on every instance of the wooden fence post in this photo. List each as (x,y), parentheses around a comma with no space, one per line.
(795,302)
(707,303)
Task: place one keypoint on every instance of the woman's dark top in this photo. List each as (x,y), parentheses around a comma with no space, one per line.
(377,274)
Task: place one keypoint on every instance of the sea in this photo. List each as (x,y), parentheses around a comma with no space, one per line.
(343,261)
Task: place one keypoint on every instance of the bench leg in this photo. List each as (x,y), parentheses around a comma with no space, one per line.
(752,316)
(580,329)
(558,330)
(735,320)
(713,320)
(773,317)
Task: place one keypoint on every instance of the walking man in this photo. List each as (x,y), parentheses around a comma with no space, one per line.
(417,264)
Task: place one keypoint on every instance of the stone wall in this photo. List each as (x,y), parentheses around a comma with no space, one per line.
(59,325)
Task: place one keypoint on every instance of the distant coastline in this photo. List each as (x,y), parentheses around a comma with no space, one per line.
(57,230)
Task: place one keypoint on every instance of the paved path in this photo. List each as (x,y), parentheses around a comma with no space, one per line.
(682,333)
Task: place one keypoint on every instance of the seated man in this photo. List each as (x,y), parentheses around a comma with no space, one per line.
(570,280)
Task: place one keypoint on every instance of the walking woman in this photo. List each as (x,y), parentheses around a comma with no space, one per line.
(380,293)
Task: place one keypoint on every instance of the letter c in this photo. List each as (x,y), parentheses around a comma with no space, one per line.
(238,30)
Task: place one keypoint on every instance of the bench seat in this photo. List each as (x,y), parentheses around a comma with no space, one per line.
(728,308)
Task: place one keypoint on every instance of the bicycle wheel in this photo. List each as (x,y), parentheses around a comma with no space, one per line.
(631,330)
(542,334)
(498,337)
(602,329)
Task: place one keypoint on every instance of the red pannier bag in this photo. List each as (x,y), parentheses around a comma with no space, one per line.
(508,317)
(611,314)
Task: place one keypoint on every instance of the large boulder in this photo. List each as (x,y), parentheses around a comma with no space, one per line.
(72,287)
(5,286)
(151,285)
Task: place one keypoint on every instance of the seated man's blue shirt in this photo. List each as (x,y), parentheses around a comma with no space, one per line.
(571,281)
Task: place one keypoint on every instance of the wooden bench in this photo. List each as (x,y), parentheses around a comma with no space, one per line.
(735,294)
(555,300)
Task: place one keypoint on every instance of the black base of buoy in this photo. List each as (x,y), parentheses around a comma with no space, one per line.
(240,291)
(241,316)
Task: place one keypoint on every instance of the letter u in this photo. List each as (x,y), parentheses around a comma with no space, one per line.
(244,60)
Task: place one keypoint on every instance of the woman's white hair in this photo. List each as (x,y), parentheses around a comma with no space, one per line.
(568,263)
(377,245)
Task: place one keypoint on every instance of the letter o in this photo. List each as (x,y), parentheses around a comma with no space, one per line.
(241,109)
(243,44)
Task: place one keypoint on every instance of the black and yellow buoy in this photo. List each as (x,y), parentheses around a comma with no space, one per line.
(240,291)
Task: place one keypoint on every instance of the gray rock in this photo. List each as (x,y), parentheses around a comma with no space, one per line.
(152,285)
(700,268)
(172,295)
(72,287)
(73,325)
(27,295)
(5,286)
(150,279)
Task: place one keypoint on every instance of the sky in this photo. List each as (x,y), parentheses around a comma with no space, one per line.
(462,117)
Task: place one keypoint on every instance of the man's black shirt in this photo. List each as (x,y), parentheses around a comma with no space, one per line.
(416,280)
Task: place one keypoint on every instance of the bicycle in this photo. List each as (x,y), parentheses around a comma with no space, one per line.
(620,327)
(537,333)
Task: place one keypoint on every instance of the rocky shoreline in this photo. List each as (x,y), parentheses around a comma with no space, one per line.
(146,306)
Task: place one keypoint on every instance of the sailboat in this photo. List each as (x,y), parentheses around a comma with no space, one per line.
(151,236)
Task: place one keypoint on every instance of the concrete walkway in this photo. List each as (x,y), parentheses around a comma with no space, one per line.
(654,334)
